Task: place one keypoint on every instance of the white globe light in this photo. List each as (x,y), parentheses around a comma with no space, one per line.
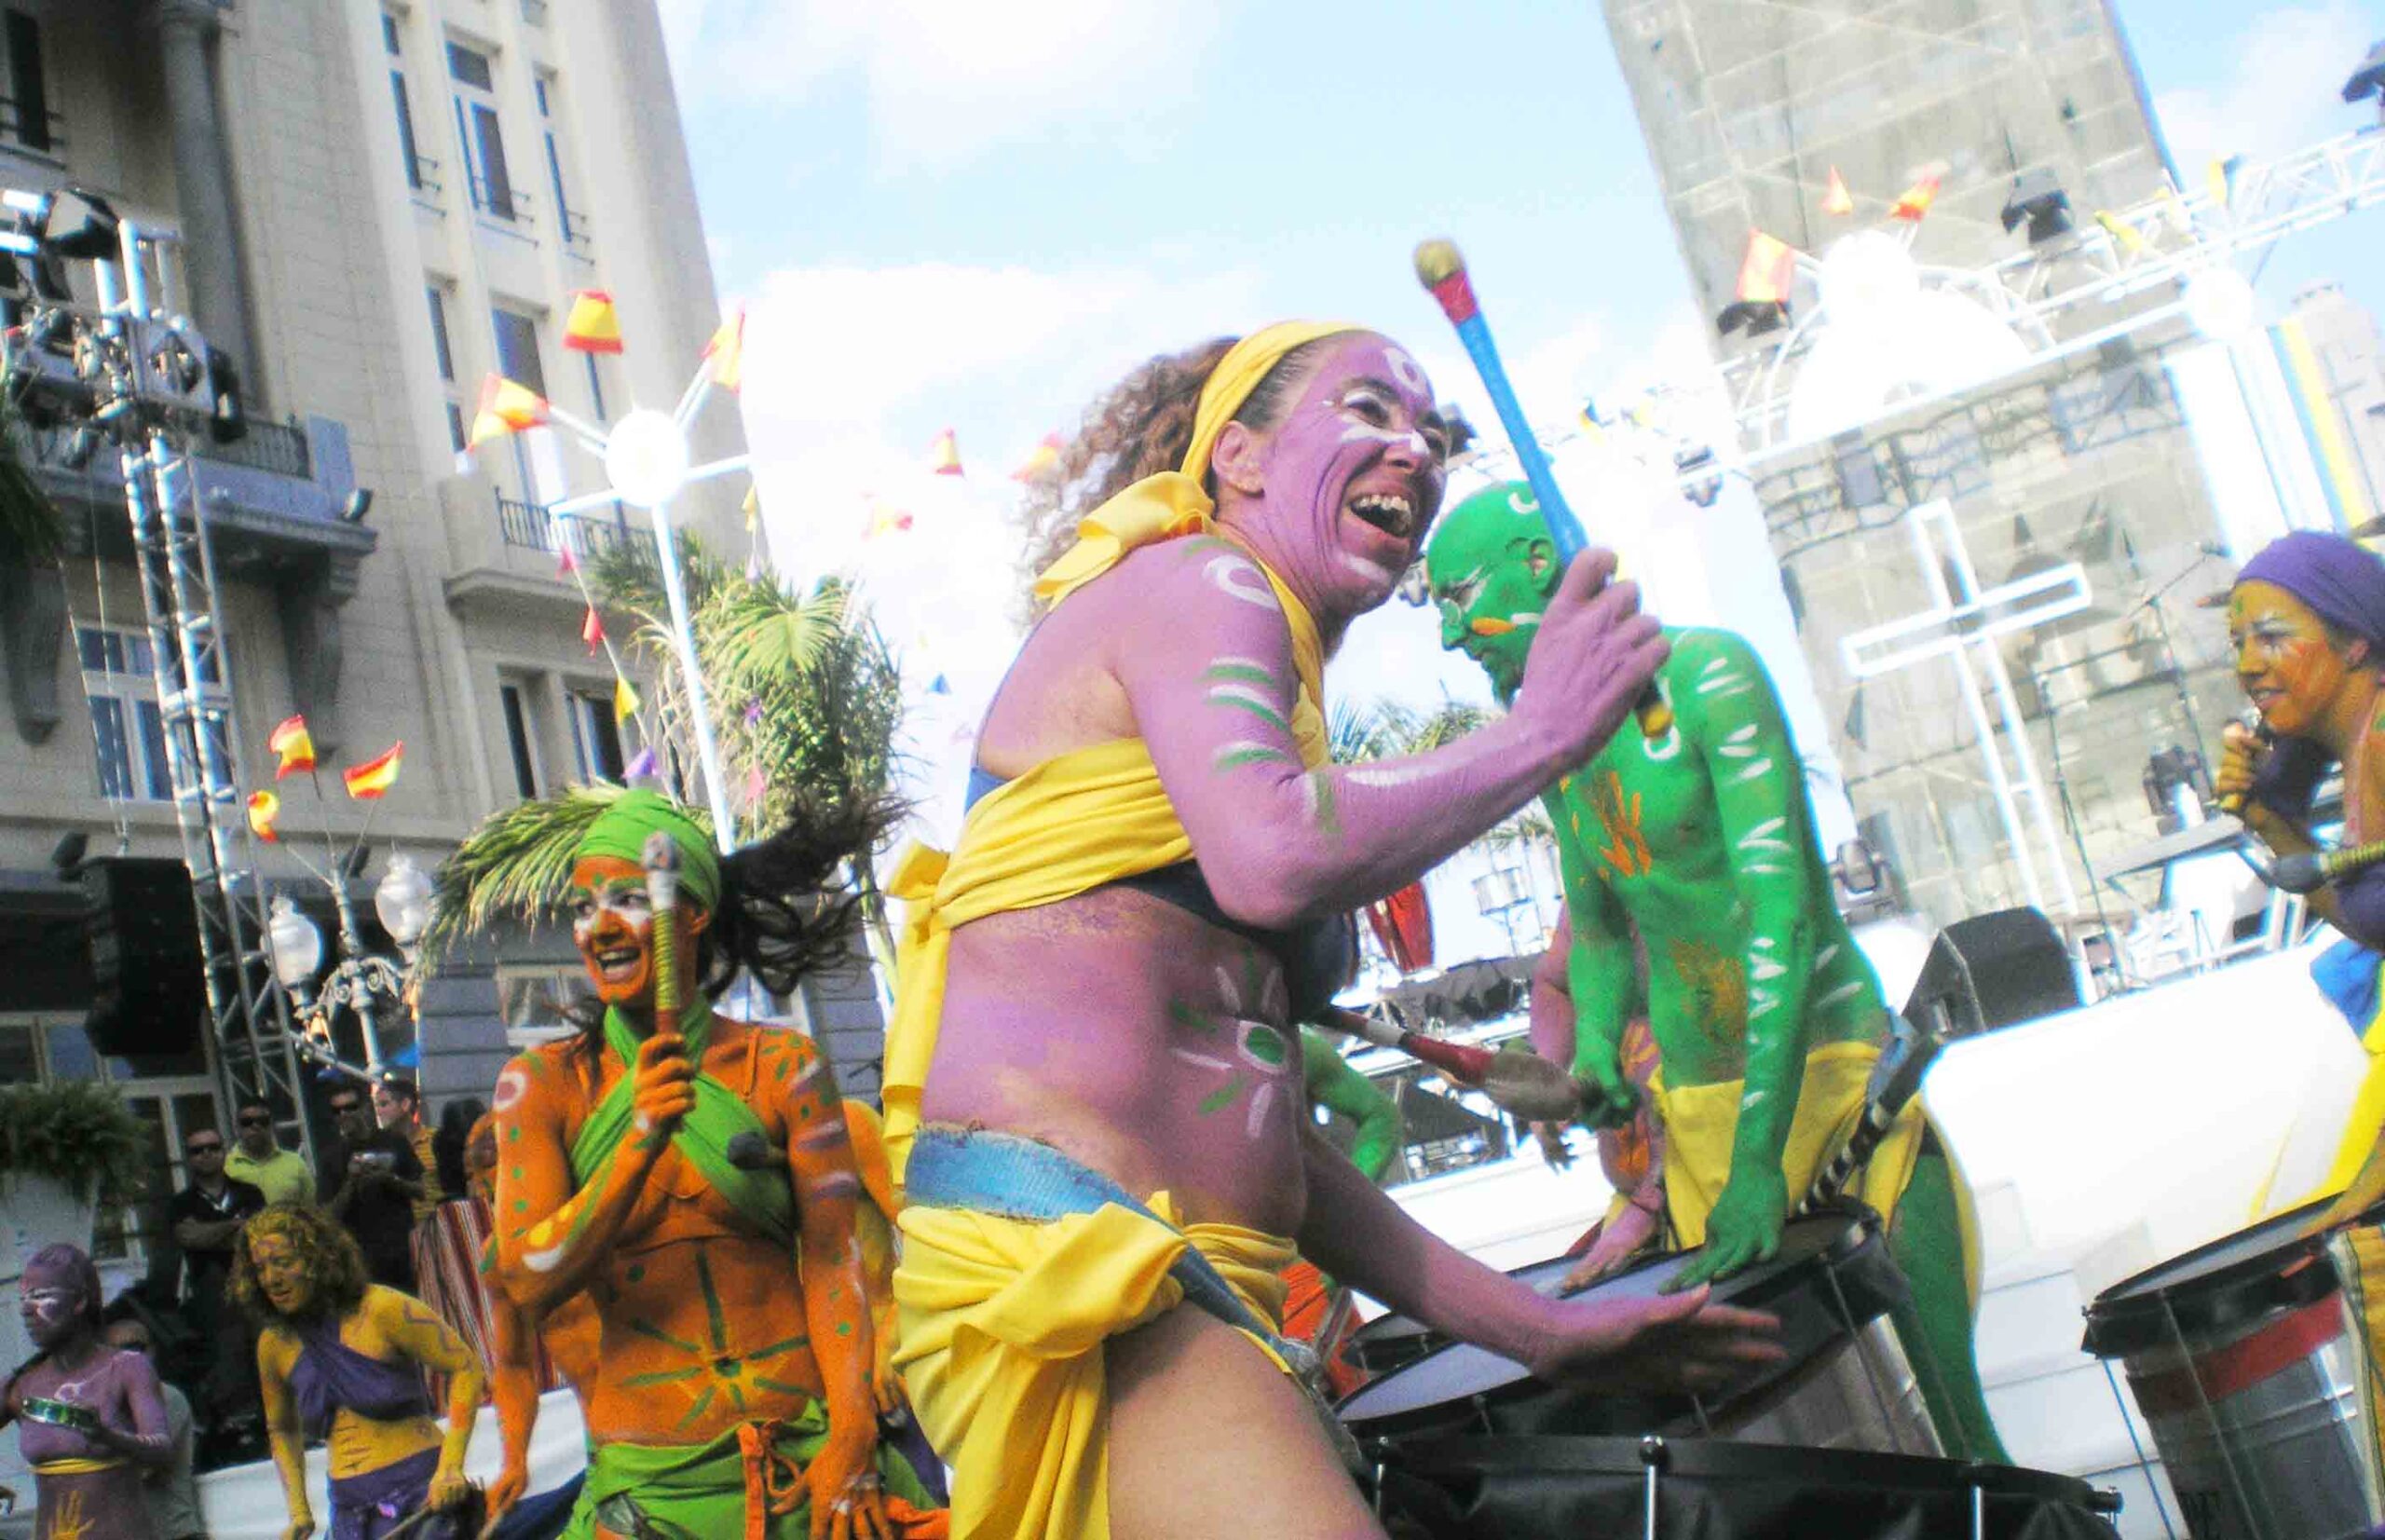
(1867,274)
(2220,304)
(645,457)
(298,945)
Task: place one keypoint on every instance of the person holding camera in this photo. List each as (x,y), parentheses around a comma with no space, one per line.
(374,1178)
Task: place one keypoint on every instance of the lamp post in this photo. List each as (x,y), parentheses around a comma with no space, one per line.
(403,902)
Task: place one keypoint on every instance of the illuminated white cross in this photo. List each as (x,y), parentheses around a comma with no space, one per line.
(1966,619)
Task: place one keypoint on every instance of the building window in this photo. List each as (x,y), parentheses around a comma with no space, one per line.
(517,348)
(595,737)
(517,738)
(478,135)
(439,332)
(128,735)
(455,427)
(28,118)
(573,224)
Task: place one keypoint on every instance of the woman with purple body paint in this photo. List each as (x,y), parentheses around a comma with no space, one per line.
(91,1419)
(1165,1059)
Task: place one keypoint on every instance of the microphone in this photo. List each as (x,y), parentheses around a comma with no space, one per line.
(2233,803)
(2303,874)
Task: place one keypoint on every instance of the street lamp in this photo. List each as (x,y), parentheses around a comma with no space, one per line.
(403,902)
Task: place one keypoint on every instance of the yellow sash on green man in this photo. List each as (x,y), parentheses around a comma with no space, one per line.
(1078,820)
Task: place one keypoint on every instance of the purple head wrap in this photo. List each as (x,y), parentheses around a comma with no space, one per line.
(2343,583)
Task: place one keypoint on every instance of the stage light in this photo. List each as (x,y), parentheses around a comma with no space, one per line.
(2369,79)
(2038,199)
(1755,317)
(359,502)
(68,857)
(79,448)
(80,224)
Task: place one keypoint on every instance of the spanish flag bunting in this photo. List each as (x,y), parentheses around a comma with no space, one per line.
(506,407)
(293,745)
(264,808)
(2222,175)
(1915,200)
(944,457)
(625,702)
(591,630)
(1041,461)
(592,326)
(941,686)
(756,786)
(368,780)
(1765,271)
(724,354)
(1836,199)
(566,562)
(886,519)
(641,766)
(753,507)
(2131,239)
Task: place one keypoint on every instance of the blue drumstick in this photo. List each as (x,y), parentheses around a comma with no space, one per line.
(1442,270)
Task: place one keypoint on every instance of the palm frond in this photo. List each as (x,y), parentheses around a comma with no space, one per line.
(32,529)
(758,631)
(516,866)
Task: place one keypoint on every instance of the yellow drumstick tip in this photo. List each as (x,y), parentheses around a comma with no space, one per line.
(1436,260)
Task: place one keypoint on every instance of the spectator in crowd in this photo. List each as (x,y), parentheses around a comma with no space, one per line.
(259,1158)
(374,1178)
(171,1492)
(448,1246)
(397,1106)
(205,1218)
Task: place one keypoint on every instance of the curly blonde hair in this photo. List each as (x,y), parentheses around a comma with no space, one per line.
(333,1262)
(1137,428)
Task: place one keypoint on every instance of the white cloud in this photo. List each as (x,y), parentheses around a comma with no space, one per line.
(2290,66)
(946,78)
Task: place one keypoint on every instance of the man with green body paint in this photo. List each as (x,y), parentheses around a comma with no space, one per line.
(1701,838)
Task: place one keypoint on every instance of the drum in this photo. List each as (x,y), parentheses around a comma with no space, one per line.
(1396,1341)
(1845,1383)
(1560,1489)
(2253,1365)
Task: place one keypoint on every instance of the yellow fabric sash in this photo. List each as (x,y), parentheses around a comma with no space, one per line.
(76,1466)
(1002,1323)
(1700,1122)
(2362,1130)
(1077,821)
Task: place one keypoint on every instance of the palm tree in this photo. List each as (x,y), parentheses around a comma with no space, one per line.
(32,531)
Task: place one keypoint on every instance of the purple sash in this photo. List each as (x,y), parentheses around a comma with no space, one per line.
(330,1375)
(368,1506)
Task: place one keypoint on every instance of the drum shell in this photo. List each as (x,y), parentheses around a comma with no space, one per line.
(1528,1488)
(2258,1387)
(1846,1382)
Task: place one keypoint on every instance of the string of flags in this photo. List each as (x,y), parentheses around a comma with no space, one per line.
(293,749)
(944,455)
(1836,198)
(592,326)
(506,406)
(1041,461)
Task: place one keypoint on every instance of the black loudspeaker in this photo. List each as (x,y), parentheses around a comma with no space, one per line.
(1991,971)
(149,991)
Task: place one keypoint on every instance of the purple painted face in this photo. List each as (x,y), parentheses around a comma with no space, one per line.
(50,1300)
(1353,475)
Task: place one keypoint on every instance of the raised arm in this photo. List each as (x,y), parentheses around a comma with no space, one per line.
(836,1301)
(150,1440)
(1278,843)
(550,1237)
(415,1330)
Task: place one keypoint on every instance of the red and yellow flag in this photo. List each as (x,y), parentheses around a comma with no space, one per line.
(724,354)
(886,519)
(1765,271)
(1914,201)
(592,326)
(293,745)
(591,630)
(1836,199)
(368,780)
(1041,461)
(625,702)
(264,808)
(2131,239)
(944,455)
(506,407)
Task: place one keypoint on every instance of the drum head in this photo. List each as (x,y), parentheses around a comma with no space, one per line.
(1829,1266)
(1391,1341)
(2278,1263)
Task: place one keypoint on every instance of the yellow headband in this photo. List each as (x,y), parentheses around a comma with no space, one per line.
(1237,375)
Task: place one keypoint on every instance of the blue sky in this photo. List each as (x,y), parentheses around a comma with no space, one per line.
(952,213)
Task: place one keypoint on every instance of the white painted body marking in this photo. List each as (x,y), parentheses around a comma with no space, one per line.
(1233,690)
(1371,571)
(543,1262)
(1523,502)
(1237,579)
(1852,988)
(1407,371)
(1767,835)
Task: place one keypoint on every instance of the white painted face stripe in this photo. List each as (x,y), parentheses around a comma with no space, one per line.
(1261,1100)
(1226,990)
(1404,369)
(1200,1060)
(1373,571)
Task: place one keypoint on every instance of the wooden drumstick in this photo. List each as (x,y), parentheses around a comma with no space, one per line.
(1523,1085)
(662,896)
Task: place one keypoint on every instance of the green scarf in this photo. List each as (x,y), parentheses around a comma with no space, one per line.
(764,1197)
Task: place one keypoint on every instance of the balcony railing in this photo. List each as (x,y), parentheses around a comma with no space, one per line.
(279,447)
(46,138)
(529,526)
(423,177)
(511,203)
(576,229)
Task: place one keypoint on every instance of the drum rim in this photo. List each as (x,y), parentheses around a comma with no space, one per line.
(1862,1229)
(1709,1457)
(2130,1315)
(1397,1324)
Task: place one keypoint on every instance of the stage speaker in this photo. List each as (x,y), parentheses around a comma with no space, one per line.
(1991,971)
(149,990)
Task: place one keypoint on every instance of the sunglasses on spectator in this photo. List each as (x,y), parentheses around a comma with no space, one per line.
(351,1105)
(255,1120)
(213,1147)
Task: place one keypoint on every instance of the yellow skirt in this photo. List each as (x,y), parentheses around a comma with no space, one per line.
(1001,1326)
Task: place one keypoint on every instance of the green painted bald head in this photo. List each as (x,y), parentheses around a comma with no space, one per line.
(1492,566)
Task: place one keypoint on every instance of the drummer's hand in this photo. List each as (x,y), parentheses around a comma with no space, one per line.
(1620,1239)
(1608,1099)
(1744,1229)
(1553,1151)
(2241,753)
(1663,1344)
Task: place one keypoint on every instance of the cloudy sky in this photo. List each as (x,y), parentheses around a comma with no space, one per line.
(947,213)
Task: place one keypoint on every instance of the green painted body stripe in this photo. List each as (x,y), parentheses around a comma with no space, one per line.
(1266,714)
(648,1328)
(703,1403)
(1249,673)
(789,1345)
(712,1314)
(661,1377)
(1216,1101)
